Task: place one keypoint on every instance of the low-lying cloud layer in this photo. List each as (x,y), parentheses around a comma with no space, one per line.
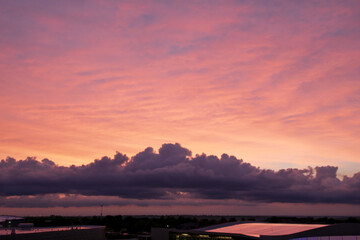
(171,174)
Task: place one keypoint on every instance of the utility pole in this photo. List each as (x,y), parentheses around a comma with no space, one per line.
(101,211)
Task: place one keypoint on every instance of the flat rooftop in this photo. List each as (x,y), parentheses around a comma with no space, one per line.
(267,229)
(45,229)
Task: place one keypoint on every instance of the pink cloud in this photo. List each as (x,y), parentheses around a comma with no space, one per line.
(264,81)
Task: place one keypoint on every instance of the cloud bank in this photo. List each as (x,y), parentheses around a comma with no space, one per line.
(170,174)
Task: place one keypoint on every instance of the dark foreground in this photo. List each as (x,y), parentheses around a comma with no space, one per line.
(133,226)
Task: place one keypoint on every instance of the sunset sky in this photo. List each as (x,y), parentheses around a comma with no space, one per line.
(180,107)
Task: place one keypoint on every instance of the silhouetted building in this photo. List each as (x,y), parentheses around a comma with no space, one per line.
(54,233)
(10,221)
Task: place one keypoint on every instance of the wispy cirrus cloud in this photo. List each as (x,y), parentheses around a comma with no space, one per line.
(275,83)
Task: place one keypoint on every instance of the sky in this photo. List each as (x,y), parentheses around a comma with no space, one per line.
(180,107)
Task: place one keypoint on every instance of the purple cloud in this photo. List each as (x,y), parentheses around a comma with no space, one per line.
(172,173)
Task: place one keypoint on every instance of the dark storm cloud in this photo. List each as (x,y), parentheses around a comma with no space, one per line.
(172,174)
